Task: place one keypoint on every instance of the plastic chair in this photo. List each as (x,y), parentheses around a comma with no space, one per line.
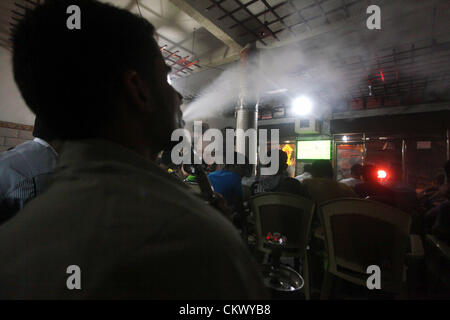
(360,233)
(290,216)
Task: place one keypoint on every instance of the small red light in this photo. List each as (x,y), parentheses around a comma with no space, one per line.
(382,75)
(381,174)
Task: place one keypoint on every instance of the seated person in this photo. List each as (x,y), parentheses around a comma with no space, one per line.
(372,189)
(279,182)
(132,230)
(436,184)
(355,178)
(25,170)
(437,220)
(405,196)
(227,182)
(322,187)
(436,194)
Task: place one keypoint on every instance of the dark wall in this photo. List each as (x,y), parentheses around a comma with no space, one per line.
(418,123)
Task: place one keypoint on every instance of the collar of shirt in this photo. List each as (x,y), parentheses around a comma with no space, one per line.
(82,152)
(45,144)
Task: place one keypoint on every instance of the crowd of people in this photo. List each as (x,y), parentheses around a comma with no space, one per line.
(317,182)
(90,191)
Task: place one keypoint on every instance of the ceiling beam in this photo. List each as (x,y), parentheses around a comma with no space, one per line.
(184,6)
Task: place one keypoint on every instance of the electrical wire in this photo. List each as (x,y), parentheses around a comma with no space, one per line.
(139,8)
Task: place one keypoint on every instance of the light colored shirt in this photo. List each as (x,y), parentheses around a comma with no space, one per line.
(24,172)
(303,176)
(351,182)
(134,231)
(322,189)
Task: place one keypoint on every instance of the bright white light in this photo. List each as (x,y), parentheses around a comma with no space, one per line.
(302,106)
(169,80)
(345,138)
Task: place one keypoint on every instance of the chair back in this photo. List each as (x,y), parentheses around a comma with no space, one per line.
(360,233)
(287,214)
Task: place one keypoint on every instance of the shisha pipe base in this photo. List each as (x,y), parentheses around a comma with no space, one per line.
(282,278)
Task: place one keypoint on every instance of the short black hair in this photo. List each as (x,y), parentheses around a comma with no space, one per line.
(307,168)
(322,169)
(356,169)
(71,78)
(370,173)
(237,156)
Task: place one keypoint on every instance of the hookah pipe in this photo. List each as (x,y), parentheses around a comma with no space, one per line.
(206,188)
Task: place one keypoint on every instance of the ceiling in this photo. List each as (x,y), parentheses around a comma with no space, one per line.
(183,41)
(323,47)
(268,21)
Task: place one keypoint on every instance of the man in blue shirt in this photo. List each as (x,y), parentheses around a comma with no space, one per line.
(228,183)
(26,169)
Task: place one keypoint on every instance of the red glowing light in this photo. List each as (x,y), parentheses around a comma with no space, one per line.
(382,75)
(381,174)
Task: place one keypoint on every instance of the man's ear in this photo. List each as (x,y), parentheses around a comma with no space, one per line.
(137,91)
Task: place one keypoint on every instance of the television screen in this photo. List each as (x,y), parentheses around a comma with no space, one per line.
(315,149)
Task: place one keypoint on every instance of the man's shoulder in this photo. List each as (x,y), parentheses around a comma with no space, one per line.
(225,175)
(24,155)
(101,206)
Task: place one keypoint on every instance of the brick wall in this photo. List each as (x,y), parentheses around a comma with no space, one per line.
(12,134)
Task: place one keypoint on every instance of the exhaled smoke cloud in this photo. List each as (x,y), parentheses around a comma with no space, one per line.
(327,66)
(216,97)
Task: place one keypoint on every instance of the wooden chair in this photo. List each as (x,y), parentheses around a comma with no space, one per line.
(290,216)
(360,233)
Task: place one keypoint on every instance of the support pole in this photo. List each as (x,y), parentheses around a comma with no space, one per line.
(247,107)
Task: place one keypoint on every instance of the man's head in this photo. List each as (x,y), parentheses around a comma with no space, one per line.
(322,169)
(109,76)
(370,173)
(242,169)
(307,168)
(356,171)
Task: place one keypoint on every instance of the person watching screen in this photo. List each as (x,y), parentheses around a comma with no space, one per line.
(355,178)
(322,187)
